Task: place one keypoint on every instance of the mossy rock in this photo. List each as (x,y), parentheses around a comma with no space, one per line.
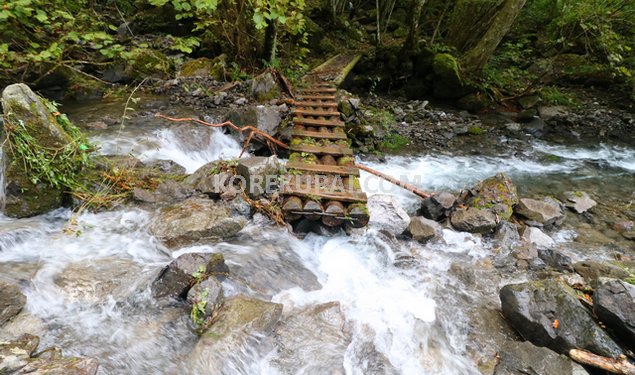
(474,102)
(448,83)
(205,67)
(149,63)
(497,193)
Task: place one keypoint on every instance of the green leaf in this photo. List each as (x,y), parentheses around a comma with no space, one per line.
(41,16)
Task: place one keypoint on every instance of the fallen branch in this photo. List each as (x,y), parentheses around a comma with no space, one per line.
(411,188)
(621,365)
(252,130)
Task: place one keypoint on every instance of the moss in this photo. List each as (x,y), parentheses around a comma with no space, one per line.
(346,161)
(393,142)
(446,66)
(204,67)
(476,130)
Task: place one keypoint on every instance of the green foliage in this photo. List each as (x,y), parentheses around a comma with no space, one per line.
(555,96)
(197,314)
(393,142)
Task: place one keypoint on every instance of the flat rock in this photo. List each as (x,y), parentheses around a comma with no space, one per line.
(11,301)
(533,307)
(527,358)
(195,220)
(546,212)
(579,201)
(614,304)
(474,220)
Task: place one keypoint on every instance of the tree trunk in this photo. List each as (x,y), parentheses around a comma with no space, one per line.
(271,41)
(476,57)
(412,41)
(469,20)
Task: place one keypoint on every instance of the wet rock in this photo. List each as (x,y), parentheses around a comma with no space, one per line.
(546,212)
(260,174)
(525,253)
(50,353)
(264,87)
(547,113)
(90,283)
(579,201)
(304,335)
(526,358)
(22,197)
(166,191)
(243,325)
(535,126)
(386,214)
(96,125)
(423,229)
(62,366)
(176,278)
(497,193)
(195,220)
(11,301)
(166,166)
(533,307)
(215,185)
(556,259)
(538,238)
(506,236)
(14,354)
(474,220)
(614,304)
(208,295)
(592,271)
(437,206)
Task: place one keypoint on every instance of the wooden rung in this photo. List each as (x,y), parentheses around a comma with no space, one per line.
(313,122)
(322,150)
(310,112)
(303,103)
(342,196)
(325,169)
(318,97)
(318,90)
(320,135)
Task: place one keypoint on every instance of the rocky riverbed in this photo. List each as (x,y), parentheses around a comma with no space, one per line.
(525,252)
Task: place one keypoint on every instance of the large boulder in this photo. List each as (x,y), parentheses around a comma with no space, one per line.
(437,206)
(423,229)
(497,193)
(195,220)
(548,313)
(448,83)
(241,326)
(176,278)
(386,214)
(525,358)
(264,117)
(614,304)
(260,173)
(474,220)
(22,108)
(15,354)
(547,212)
(11,301)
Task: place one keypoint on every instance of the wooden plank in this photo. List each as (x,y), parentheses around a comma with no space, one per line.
(314,122)
(325,169)
(322,150)
(318,90)
(305,103)
(310,112)
(342,196)
(319,135)
(318,97)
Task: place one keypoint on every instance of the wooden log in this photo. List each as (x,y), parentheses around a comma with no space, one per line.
(292,204)
(358,214)
(619,365)
(335,211)
(328,160)
(312,206)
(411,188)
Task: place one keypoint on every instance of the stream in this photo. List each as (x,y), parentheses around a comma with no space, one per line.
(405,307)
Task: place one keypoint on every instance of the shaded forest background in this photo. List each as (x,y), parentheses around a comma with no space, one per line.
(471,51)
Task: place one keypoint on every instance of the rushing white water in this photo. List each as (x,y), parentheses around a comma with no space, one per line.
(86,278)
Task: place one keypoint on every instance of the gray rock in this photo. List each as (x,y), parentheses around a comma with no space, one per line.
(555,259)
(244,324)
(525,253)
(474,220)
(513,127)
(166,166)
(497,193)
(264,87)
(303,336)
(195,220)
(614,304)
(166,192)
(177,277)
(96,125)
(62,366)
(529,101)
(526,358)
(592,271)
(579,201)
(11,301)
(546,212)
(15,354)
(386,214)
(535,126)
(207,295)
(506,236)
(437,206)
(538,238)
(241,101)
(423,229)
(533,307)
(23,198)
(548,113)
(260,174)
